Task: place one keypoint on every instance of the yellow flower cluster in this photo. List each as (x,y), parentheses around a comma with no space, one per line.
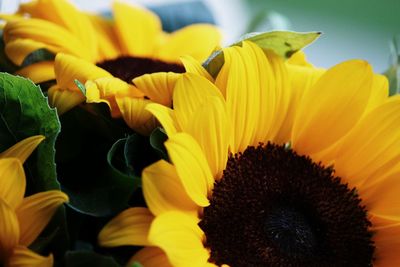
(272,162)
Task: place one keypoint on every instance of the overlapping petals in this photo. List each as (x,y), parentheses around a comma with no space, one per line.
(352,126)
(23,218)
(59,27)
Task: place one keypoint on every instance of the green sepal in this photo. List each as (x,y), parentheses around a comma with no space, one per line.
(136,264)
(157,140)
(80,86)
(139,153)
(283,43)
(393,72)
(87,162)
(38,56)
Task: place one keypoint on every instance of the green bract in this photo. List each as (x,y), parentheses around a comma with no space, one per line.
(283,43)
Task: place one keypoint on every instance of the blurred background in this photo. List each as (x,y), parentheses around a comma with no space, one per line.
(352,29)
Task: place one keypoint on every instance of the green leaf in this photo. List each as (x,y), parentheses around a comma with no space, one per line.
(116,159)
(393,72)
(157,140)
(88,258)
(24,112)
(38,56)
(283,43)
(139,153)
(88,161)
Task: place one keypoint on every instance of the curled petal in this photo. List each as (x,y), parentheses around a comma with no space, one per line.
(64,100)
(203,38)
(35,212)
(23,148)
(23,257)
(130,227)
(150,257)
(135,115)
(38,72)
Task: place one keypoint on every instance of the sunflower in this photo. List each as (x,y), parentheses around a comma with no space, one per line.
(125,98)
(270,170)
(129,46)
(134,34)
(23,218)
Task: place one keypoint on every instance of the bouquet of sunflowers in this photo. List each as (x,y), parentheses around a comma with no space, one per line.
(124,145)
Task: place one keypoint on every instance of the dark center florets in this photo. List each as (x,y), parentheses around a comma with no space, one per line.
(273,207)
(127,68)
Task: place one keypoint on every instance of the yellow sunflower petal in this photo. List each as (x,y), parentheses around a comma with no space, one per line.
(299,58)
(247,79)
(191,166)
(137,29)
(12,181)
(301,79)
(105,89)
(387,241)
(64,14)
(166,116)
(23,148)
(190,92)
(35,212)
(10,17)
(379,92)
(371,144)
(107,39)
(343,93)
(214,138)
(93,94)
(30,8)
(203,38)
(150,257)
(9,230)
(198,104)
(18,49)
(38,72)
(64,100)
(135,115)
(68,68)
(194,66)
(158,86)
(282,96)
(130,227)
(383,198)
(180,237)
(23,257)
(163,190)
(56,38)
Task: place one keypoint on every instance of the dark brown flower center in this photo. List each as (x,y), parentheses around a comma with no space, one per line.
(273,207)
(127,68)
